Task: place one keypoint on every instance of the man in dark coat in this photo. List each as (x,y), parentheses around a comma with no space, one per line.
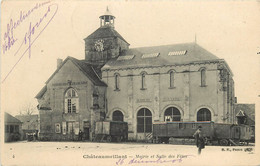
(80,135)
(200,142)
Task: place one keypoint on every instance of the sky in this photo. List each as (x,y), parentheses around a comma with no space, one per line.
(228,29)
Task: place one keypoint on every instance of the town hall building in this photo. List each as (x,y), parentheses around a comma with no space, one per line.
(180,82)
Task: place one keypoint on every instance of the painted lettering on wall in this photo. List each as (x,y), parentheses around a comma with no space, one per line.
(171,99)
(143,100)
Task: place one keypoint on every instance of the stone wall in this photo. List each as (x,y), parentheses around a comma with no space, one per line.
(87,111)
(187,95)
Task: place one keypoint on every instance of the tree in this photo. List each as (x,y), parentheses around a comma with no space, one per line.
(27,109)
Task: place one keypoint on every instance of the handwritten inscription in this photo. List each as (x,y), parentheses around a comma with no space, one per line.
(9,39)
(142,159)
(34,30)
(152,159)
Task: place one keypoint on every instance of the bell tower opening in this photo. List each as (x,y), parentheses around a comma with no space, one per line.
(107,19)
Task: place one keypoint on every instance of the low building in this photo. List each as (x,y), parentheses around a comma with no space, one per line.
(30,124)
(13,128)
(245,114)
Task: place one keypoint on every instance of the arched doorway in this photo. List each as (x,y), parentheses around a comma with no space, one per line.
(204,114)
(144,121)
(172,114)
(118,116)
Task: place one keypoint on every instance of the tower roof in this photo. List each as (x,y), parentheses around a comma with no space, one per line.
(107,13)
(104,32)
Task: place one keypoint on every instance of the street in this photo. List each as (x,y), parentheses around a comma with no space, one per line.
(89,153)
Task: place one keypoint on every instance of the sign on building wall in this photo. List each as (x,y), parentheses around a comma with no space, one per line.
(57,128)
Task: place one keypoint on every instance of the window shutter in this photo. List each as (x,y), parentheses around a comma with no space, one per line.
(77,105)
(66,106)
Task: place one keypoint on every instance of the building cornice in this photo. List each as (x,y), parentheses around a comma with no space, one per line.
(172,65)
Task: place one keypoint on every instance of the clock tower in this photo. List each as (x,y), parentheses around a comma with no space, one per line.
(105,43)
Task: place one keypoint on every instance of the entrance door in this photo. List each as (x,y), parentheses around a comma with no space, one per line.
(86,133)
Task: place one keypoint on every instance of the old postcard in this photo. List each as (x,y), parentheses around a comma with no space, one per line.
(129,83)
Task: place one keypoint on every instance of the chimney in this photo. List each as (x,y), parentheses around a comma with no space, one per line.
(59,62)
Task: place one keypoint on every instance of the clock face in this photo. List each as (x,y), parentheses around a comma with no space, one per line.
(99,45)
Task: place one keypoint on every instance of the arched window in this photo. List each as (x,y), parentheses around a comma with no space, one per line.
(204,115)
(118,116)
(144,121)
(172,114)
(143,85)
(203,77)
(171,79)
(71,101)
(116,82)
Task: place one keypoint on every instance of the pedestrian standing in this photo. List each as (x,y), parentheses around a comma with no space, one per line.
(80,135)
(200,142)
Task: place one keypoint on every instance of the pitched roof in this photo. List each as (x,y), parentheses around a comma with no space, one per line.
(240,113)
(26,118)
(86,68)
(104,32)
(41,93)
(10,119)
(90,71)
(248,110)
(168,55)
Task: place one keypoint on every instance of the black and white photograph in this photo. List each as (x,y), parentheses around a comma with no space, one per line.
(120,82)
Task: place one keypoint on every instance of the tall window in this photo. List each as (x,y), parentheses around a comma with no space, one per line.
(116,82)
(203,77)
(143,86)
(172,114)
(144,121)
(171,79)
(118,116)
(71,101)
(204,115)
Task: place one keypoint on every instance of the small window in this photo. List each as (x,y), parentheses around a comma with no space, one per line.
(16,128)
(203,77)
(7,128)
(116,82)
(171,79)
(11,129)
(143,83)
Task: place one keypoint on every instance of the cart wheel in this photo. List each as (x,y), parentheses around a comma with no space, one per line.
(109,138)
(223,142)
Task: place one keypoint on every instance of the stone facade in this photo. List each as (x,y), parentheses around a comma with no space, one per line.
(182,82)
(58,124)
(187,94)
